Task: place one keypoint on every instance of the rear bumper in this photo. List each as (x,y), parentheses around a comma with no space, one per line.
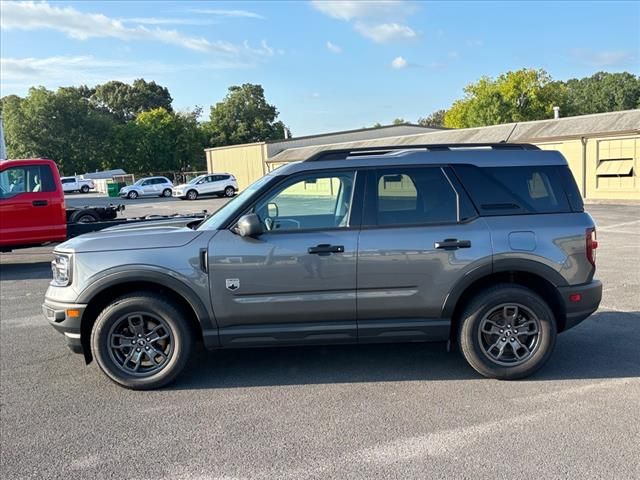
(577,310)
(57,314)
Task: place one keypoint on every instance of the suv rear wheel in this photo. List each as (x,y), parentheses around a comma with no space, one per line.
(141,341)
(507,332)
(166,192)
(229,192)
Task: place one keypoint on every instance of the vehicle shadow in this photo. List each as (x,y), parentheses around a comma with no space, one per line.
(592,350)
(25,271)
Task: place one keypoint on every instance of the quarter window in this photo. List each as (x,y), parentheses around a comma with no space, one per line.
(309,202)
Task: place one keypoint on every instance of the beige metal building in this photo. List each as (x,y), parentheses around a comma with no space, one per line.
(603,150)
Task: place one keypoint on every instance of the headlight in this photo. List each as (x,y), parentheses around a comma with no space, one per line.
(61,268)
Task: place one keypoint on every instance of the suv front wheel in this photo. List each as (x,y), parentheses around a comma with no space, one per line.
(141,341)
(507,332)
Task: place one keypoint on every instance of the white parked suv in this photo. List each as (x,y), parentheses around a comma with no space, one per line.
(148,187)
(220,184)
(76,184)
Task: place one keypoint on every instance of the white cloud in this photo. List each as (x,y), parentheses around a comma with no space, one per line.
(399,63)
(166,21)
(385,32)
(607,58)
(332,47)
(352,9)
(227,13)
(381,21)
(82,26)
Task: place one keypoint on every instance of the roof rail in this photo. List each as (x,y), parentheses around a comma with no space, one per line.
(342,154)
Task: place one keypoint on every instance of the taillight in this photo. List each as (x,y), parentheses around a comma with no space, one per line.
(592,245)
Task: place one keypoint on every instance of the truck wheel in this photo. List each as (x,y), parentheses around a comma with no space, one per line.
(84,189)
(132,195)
(84,216)
(229,192)
(507,332)
(192,195)
(166,192)
(141,341)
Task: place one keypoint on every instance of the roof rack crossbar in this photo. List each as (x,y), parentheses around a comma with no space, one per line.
(342,154)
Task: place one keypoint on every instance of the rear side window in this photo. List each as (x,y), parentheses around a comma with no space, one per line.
(415,196)
(515,190)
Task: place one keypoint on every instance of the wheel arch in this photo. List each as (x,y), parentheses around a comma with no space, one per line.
(536,276)
(107,289)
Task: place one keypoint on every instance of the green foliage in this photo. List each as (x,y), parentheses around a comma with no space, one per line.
(244,116)
(435,119)
(125,101)
(603,92)
(530,94)
(522,95)
(400,121)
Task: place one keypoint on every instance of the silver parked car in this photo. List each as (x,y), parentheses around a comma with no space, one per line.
(148,187)
(487,247)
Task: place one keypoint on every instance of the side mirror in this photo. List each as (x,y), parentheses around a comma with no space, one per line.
(249,225)
(272,210)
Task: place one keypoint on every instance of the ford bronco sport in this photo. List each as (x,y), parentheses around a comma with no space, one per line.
(486,246)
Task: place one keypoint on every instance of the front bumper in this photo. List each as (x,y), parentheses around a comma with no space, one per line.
(590,295)
(66,318)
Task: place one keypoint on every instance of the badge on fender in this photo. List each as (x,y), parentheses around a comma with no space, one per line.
(233,284)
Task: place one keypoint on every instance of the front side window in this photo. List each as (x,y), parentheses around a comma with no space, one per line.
(313,201)
(34,178)
(414,196)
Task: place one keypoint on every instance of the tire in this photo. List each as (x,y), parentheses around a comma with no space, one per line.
(192,195)
(132,195)
(166,193)
(111,350)
(84,216)
(229,192)
(84,189)
(515,350)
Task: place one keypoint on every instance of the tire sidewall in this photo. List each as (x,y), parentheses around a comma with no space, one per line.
(158,307)
(132,195)
(190,193)
(164,193)
(470,342)
(84,189)
(229,192)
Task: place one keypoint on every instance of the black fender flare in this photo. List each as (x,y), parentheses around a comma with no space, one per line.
(502,265)
(146,273)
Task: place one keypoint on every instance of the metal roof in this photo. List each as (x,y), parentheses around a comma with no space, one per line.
(627,121)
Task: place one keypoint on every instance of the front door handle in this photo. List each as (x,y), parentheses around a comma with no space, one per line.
(39,203)
(325,249)
(452,244)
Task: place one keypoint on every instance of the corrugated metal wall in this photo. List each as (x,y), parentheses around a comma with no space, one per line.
(245,162)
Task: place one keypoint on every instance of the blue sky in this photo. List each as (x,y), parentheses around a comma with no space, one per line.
(327,66)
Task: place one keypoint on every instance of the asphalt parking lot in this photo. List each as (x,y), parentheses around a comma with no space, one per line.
(382,411)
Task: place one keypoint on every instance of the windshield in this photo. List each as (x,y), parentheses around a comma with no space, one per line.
(195,180)
(139,182)
(218,218)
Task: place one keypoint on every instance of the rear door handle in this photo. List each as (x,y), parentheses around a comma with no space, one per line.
(325,249)
(39,203)
(452,244)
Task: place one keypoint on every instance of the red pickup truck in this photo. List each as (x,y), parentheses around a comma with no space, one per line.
(32,209)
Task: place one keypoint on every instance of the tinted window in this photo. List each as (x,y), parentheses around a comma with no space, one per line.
(34,178)
(68,180)
(514,190)
(414,196)
(320,200)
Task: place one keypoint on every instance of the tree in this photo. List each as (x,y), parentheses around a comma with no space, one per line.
(400,121)
(125,101)
(61,125)
(244,116)
(525,94)
(435,119)
(602,92)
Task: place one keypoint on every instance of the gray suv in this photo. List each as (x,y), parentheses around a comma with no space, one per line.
(484,246)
